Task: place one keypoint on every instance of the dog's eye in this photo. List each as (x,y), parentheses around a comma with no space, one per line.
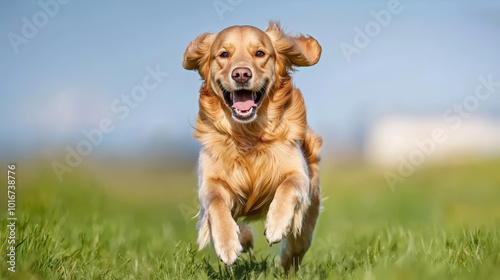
(259,53)
(224,54)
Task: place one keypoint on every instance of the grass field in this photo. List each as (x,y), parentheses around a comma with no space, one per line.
(130,223)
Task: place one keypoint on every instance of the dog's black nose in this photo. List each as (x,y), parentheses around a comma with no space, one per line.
(241,74)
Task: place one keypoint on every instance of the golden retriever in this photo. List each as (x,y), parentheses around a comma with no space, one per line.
(259,157)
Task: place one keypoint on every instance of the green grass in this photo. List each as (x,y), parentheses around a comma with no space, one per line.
(128,223)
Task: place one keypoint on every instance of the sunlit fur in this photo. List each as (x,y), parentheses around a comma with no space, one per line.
(268,166)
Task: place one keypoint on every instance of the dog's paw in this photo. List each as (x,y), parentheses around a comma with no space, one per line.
(229,252)
(277,228)
(227,246)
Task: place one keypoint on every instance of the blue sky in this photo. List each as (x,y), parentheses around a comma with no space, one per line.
(65,78)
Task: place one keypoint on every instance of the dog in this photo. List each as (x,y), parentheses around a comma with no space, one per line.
(258,157)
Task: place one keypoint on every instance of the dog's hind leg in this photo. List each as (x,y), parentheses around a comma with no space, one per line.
(246,237)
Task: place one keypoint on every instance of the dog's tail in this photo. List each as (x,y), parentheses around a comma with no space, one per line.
(310,147)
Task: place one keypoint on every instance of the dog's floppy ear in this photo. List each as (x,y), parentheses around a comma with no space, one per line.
(297,50)
(197,54)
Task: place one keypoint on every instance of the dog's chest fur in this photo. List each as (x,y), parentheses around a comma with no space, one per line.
(252,177)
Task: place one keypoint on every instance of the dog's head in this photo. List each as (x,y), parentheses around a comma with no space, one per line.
(241,64)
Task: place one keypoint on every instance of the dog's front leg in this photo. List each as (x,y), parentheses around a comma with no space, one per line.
(224,231)
(287,209)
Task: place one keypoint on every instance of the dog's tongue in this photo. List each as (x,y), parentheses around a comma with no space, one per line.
(242,100)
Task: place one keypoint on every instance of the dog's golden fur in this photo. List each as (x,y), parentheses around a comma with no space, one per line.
(267,166)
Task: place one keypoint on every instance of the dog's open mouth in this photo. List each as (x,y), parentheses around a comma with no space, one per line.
(244,103)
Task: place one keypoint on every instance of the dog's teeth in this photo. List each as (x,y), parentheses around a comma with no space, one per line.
(231,95)
(254,96)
